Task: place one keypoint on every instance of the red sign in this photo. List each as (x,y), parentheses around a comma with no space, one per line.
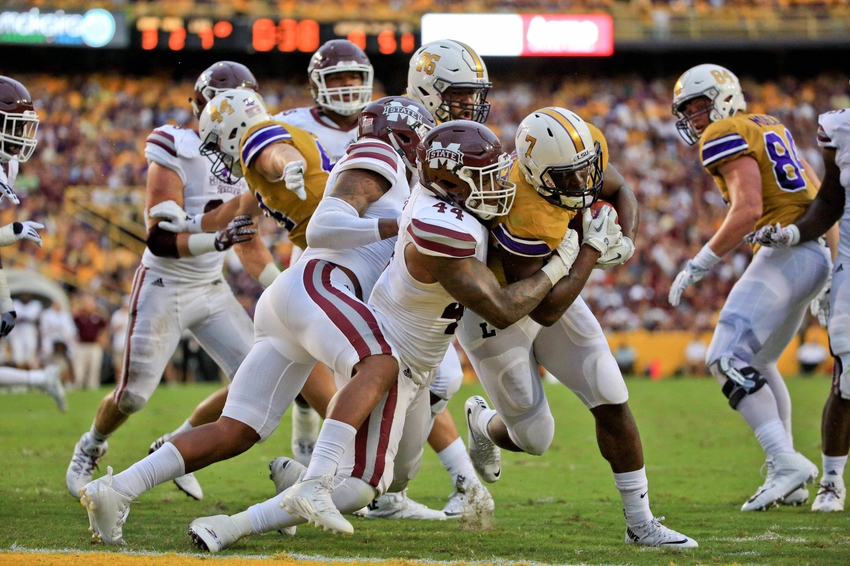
(554,35)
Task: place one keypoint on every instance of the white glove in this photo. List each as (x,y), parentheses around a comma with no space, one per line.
(7,192)
(16,231)
(602,231)
(693,272)
(175,218)
(293,178)
(562,257)
(775,236)
(617,254)
(820,304)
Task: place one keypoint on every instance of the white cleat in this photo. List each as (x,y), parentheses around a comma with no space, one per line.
(653,533)
(107,508)
(786,472)
(188,483)
(305,432)
(285,472)
(400,506)
(469,500)
(83,463)
(311,500)
(796,498)
(485,455)
(213,534)
(53,386)
(831,495)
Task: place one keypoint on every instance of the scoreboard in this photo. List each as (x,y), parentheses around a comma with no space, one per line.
(258,35)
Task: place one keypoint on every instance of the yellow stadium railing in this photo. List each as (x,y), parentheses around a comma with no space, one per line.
(115,212)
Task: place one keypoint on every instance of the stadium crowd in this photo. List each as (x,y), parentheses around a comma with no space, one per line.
(93,130)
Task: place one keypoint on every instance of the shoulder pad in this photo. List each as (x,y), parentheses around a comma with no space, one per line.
(261,137)
(721,140)
(437,238)
(373,155)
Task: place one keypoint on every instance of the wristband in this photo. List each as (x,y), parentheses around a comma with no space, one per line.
(705,258)
(795,234)
(270,272)
(555,269)
(200,244)
(7,235)
(6,303)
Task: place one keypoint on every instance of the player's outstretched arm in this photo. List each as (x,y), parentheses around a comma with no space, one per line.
(282,162)
(338,222)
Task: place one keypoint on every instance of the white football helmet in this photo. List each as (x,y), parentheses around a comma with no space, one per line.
(559,157)
(714,82)
(446,64)
(224,121)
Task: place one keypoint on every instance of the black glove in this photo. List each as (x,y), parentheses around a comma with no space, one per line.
(7,322)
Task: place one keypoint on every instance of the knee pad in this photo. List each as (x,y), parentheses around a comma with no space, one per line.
(738,382)
(130,403)
(534,436)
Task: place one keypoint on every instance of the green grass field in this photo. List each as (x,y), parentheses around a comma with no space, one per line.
(561,508)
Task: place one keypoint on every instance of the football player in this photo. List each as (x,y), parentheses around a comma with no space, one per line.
(827,208)
(438,270)
(17,144)
(314,311)
(755,165)
(561,170)
(179,284)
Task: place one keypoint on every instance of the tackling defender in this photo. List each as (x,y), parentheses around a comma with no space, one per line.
(754,162)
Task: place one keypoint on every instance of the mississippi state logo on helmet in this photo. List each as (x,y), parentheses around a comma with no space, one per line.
(218,78)
(463,163)
(717,84)
(19,121)
(399,121)
(340,56)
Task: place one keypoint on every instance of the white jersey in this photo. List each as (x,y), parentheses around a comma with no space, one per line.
(419,319)
(9,172)
(28,313)
(367,262)
(834,132)
(334,138)
(179,150)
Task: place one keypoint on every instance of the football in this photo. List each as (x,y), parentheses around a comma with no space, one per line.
(575,223)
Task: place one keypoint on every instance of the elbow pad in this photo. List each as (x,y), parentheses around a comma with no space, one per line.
(162,243)
(337,225)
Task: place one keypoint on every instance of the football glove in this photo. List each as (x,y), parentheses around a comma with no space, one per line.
(775,236)
(601,232)
(562,257)
(617,254)
(293,178)
(175,219)
(16,231)
(820,304)
(7,322)
(7,192)
(238,230)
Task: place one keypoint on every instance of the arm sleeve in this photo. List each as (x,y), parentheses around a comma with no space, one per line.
(336,225)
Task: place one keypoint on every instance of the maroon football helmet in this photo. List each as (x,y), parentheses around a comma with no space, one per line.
(340,56)
(18,121)
(463,162)
(400,121)
(218,78)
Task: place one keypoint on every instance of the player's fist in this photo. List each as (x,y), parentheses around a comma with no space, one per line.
(239,230)
(617,254)
(775,236)
(7,192)
(293,178)
(600,228)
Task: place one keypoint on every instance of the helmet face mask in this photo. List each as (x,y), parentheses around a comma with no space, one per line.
(399,121)
(336,57)
(574,187)
(18,122)
(223,123)
(218,78)
(718,85)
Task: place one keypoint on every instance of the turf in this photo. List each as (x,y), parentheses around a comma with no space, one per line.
(561,508)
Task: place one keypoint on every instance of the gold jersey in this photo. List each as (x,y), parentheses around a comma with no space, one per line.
(276,201)
(786,189)
(533,227)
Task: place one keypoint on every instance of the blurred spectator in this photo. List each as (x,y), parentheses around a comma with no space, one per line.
(88,354)
(57,328)
(626,356)
(24,340)
(694,358)
(810,355)
(118,328)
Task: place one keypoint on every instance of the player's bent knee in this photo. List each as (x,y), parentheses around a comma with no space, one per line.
(383,368)
(839,334)
(534,436)
(610,386)
(130,403)
(736,383)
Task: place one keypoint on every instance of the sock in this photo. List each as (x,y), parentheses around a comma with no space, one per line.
(484,418)
(269,516)
(634,491)
(183,428)
(773,438)
(163,465)
(14,376)
(833,466)
(36,378)
(333,440)
(243,523)
(97,437)
(456,461)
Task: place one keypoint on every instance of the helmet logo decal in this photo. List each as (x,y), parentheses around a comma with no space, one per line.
(216,113)
(677,90)
(722,76)
(395,110)
(476,61)
(568,126)
(429,62)
(450,155)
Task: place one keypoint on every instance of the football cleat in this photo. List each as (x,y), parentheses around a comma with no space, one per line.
(213,534)
(469,499)
(653,533)
(796,498)
(188,484)
(485,455)
(285,472)
(108,509)
(53,386)
(786,473)
(311,500)
(305,432)
(831,495)
(400,506)
(87,454)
